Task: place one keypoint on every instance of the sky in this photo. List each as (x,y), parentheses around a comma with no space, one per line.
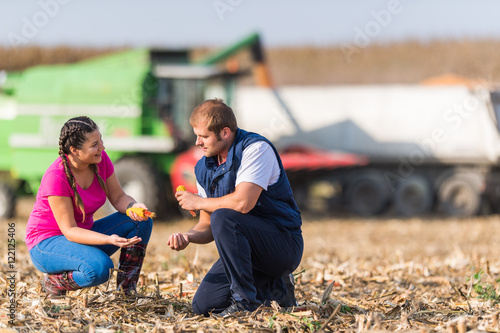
(206,23)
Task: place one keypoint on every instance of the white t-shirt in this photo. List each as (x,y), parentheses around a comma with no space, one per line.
(258,166)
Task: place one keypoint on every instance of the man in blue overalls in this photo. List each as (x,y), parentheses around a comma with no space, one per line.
(246,206)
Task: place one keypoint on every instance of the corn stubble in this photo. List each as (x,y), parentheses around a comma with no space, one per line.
(356,275)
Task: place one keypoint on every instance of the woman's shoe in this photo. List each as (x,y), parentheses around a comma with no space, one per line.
(129,267)
(56,285)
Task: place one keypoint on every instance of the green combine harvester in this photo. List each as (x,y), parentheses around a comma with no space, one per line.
(141,100)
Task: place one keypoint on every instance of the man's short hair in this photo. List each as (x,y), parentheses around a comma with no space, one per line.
(216,114)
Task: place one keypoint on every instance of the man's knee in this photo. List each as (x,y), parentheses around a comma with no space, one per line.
(203,303)
(222,216)
(199,306)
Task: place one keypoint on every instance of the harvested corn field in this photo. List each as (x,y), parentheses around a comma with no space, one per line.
(357,275)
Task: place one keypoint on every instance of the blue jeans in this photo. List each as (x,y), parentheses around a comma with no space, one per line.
(255,253)
(90,264)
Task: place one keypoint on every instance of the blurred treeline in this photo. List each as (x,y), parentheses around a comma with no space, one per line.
(406,62)
(14,59)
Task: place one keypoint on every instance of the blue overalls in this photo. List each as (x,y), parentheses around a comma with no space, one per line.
(256,249)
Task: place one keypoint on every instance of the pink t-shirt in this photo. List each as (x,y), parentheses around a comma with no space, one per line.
(42,224)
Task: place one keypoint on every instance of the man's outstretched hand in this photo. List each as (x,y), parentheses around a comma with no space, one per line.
(178,241)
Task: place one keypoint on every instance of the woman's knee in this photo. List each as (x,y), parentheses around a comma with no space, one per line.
(98,271)
(144,230)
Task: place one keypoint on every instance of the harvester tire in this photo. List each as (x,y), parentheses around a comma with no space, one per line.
(367,194)
(459,195)
(7,202)
(413,197)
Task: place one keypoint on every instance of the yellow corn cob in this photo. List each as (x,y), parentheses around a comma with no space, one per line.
(142,212)
(182,188)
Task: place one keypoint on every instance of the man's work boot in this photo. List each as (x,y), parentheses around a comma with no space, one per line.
(290,300)
(236,307)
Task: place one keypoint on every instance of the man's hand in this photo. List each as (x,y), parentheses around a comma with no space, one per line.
(188,200)
(178,241)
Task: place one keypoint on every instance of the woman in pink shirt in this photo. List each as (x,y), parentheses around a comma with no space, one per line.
(62,237)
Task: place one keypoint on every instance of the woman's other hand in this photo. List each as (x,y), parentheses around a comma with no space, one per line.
(123,242)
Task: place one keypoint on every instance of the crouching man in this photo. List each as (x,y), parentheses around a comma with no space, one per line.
(246,206)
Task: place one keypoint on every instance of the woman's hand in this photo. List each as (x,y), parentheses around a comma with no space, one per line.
(178,241)
(136,217)
(123,242)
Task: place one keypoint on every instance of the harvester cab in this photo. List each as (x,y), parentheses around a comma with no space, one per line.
(176,87)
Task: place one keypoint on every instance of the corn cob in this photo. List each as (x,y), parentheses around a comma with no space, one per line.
(142,212)
(182,188)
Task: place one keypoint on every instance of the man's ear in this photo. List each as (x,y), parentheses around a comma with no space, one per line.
(226,132)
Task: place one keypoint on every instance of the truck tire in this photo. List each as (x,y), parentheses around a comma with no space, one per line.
(459,195)
(319,197)
(7,202)
(142,181)
(367,194)
(413,197)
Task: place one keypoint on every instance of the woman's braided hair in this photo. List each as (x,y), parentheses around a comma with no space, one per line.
(73,134)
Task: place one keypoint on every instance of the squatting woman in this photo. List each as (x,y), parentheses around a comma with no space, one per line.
(62,237)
